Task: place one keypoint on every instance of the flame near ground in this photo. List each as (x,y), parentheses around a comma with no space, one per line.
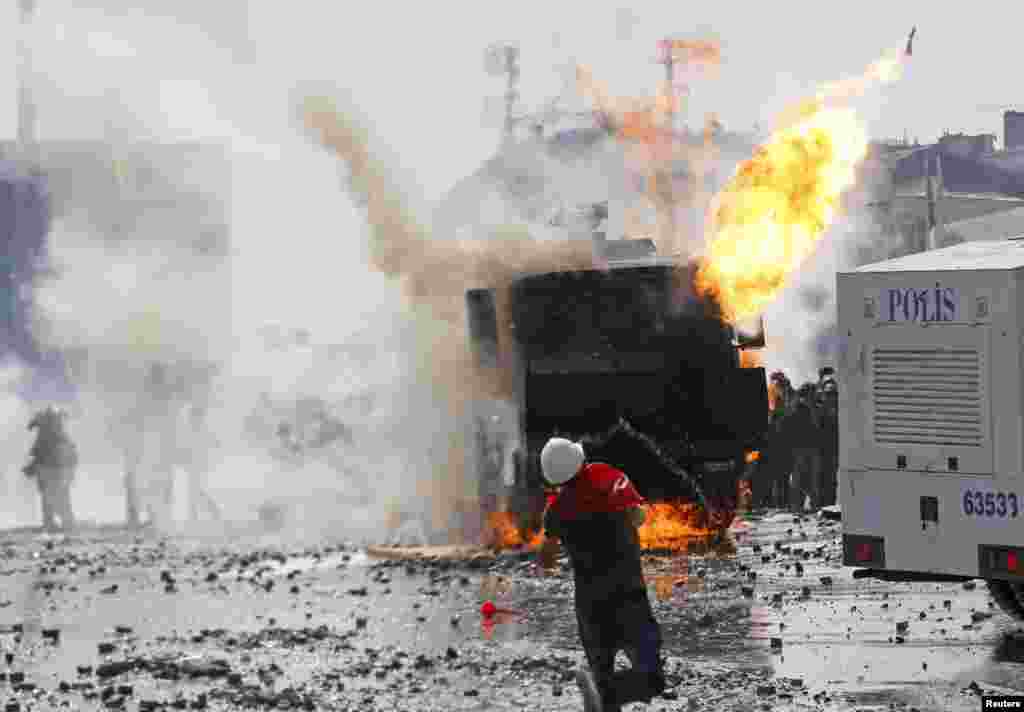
(669,526)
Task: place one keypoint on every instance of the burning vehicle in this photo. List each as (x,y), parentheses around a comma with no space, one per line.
(634,361)
(627,344)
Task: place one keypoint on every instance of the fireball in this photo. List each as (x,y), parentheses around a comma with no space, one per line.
(772,214)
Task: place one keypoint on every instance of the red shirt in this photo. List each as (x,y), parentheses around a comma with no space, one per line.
(597,488)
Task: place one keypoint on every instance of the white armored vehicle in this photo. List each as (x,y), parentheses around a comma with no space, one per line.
(932,417)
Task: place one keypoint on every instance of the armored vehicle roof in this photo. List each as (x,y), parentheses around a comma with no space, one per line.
(997,255)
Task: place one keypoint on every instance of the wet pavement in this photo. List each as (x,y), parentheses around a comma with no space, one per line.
(767,619)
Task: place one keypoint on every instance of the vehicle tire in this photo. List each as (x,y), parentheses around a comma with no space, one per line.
(1009,596)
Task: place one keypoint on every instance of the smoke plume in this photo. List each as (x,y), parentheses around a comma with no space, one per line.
(257,269)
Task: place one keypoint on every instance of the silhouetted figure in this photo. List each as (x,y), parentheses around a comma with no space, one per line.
(828,406)
(52,462)
(771,486)
(803,433)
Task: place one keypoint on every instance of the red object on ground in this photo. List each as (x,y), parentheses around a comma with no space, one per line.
(488,610)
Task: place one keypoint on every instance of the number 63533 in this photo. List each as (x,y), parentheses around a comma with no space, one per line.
(991,504)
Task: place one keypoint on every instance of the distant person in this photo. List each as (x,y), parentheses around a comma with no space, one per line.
(596,514)
(829,409)
(804,435)
(52,462)
(772,484)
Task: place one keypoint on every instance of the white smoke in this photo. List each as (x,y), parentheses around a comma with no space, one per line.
(297,263)
(801,323)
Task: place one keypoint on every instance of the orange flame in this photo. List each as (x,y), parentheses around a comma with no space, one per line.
(772,214)
(750,359)
(752,456)
(668,526)
(503,533)
(770,217)
(672,526)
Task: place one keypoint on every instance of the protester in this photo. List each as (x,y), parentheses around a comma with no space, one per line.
(776,464)
(828,405)
(596,514)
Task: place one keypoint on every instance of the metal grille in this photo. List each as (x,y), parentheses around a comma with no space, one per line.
(928,396)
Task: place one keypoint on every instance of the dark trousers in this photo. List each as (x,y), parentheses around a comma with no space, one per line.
(806,477)
(628,626)
(771,483)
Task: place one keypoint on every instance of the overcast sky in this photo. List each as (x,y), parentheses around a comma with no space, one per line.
(416,69)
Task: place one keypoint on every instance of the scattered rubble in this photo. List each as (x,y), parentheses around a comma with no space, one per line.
(295,653)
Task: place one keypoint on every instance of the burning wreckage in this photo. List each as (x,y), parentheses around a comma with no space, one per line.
(637,364)
(639,356)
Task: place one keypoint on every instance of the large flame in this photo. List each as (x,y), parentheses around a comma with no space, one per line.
(770,217)
(671,526)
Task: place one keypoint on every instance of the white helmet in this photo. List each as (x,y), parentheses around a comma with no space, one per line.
(560,460)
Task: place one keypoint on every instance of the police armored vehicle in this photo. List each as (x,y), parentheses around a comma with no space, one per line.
(932,417)
(632,342)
